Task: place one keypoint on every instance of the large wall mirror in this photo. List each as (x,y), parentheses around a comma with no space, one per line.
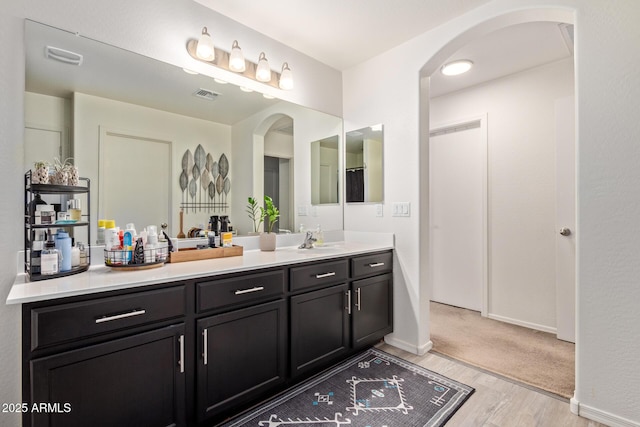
(325,167)
(363,165)
(155,139)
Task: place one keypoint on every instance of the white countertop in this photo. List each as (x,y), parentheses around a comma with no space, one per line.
(100,278)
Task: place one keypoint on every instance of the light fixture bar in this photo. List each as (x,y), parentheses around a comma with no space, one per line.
(222,61)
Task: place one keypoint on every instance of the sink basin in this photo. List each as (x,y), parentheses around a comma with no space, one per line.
(315,249)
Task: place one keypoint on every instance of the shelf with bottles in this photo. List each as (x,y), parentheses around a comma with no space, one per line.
(42,224)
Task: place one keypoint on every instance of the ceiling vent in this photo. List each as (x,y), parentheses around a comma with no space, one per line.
(206,94)
(62,55)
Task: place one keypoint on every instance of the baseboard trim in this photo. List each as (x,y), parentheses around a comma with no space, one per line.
(403,345)
(517,322)
(600,416)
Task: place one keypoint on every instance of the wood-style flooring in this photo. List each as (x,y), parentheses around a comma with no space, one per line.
(497,402)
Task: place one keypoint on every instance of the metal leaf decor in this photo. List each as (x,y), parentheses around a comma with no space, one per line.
(193,188)
(195,172)
(204,179)
(210,162)
(219,184)
(223,166)
(187,162)
(184,182)
(200,157)
(212,190)
(227,188)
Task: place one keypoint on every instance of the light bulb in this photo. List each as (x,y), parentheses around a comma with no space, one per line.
(236,59)
(456,67)
(263,72)
(205,49)
(286,78)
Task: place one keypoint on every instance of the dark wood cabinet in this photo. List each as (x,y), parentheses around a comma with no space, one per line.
(188,353)
(372,310)
(132,381)
(241,354)
(319,328)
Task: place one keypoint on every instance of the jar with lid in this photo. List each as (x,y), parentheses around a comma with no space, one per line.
(49,258)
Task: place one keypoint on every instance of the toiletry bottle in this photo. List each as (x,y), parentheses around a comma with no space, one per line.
(319,236)
(101,228)
(36,253)
(49,258)
(150,248)
(63,245)
(110,234)
(75,254)
(83,254)
(128,239)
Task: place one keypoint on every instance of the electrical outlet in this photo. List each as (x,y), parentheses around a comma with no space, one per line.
(379,210)
(302,211)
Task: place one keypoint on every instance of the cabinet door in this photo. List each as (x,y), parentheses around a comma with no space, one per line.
(372,309)
(133,381)
(319,328)
(241,355)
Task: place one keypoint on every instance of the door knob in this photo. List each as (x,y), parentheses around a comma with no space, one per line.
(565,231)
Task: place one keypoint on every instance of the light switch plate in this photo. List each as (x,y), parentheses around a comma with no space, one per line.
(379,210)
(401,209)
(302,211)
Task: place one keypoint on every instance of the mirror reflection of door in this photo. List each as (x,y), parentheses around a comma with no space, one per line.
(363,165)
(324,171)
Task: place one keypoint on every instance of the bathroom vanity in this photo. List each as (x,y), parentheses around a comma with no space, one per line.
(191,343)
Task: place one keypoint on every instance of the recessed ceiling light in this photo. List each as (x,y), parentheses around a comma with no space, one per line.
(188,71)
(456,67)
(245,89)
(267,96)
(222,82)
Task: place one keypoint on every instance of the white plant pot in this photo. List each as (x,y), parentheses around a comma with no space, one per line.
(268,241)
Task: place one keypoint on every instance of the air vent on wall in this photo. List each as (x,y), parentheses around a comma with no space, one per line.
(206,94)
(63,55)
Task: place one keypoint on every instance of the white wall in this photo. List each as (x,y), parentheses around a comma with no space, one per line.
(608,99)
(92,113)
(156,28)
(521,185)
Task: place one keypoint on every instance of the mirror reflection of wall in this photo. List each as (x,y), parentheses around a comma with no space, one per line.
(324,171)
(363,165)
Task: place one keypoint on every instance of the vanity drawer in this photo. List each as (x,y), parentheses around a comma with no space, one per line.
(368,265)
(316,275)
(73,321)
(215,294)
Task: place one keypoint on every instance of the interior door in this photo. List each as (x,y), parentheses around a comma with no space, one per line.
(127,195)
(457,200)
(565,220)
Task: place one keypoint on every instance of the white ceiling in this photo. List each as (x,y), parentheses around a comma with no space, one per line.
(342,33)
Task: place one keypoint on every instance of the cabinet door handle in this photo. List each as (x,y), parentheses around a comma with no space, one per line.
(348,307)
(376,264)
(248,291)
(358,298)
(181,339)
(322,276)
(205,341)
(120,316)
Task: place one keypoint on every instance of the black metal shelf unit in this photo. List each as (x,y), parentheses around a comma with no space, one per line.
(30,227)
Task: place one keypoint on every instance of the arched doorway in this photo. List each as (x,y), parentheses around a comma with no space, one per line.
(430,67)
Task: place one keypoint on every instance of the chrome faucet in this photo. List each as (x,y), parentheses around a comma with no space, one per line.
(308,241)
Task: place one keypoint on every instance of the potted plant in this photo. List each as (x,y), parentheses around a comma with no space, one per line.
(270,213)
(63,172)
(256,214)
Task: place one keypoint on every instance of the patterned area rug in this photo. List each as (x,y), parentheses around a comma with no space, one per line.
(372,389)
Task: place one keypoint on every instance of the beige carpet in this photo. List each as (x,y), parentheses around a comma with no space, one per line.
(532,357)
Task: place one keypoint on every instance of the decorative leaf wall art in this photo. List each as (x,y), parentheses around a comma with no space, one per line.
(202,174)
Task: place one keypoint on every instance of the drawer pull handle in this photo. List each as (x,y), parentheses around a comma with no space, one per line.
(120,316)
(376,264)
(358,299)
(348,307)
(181,339)
(322,276)
(248,291)
(205,342)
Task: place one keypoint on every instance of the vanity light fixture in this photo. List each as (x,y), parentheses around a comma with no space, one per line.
(456,67)
(286,78)
(263,72)
(203,50)
(236,59)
